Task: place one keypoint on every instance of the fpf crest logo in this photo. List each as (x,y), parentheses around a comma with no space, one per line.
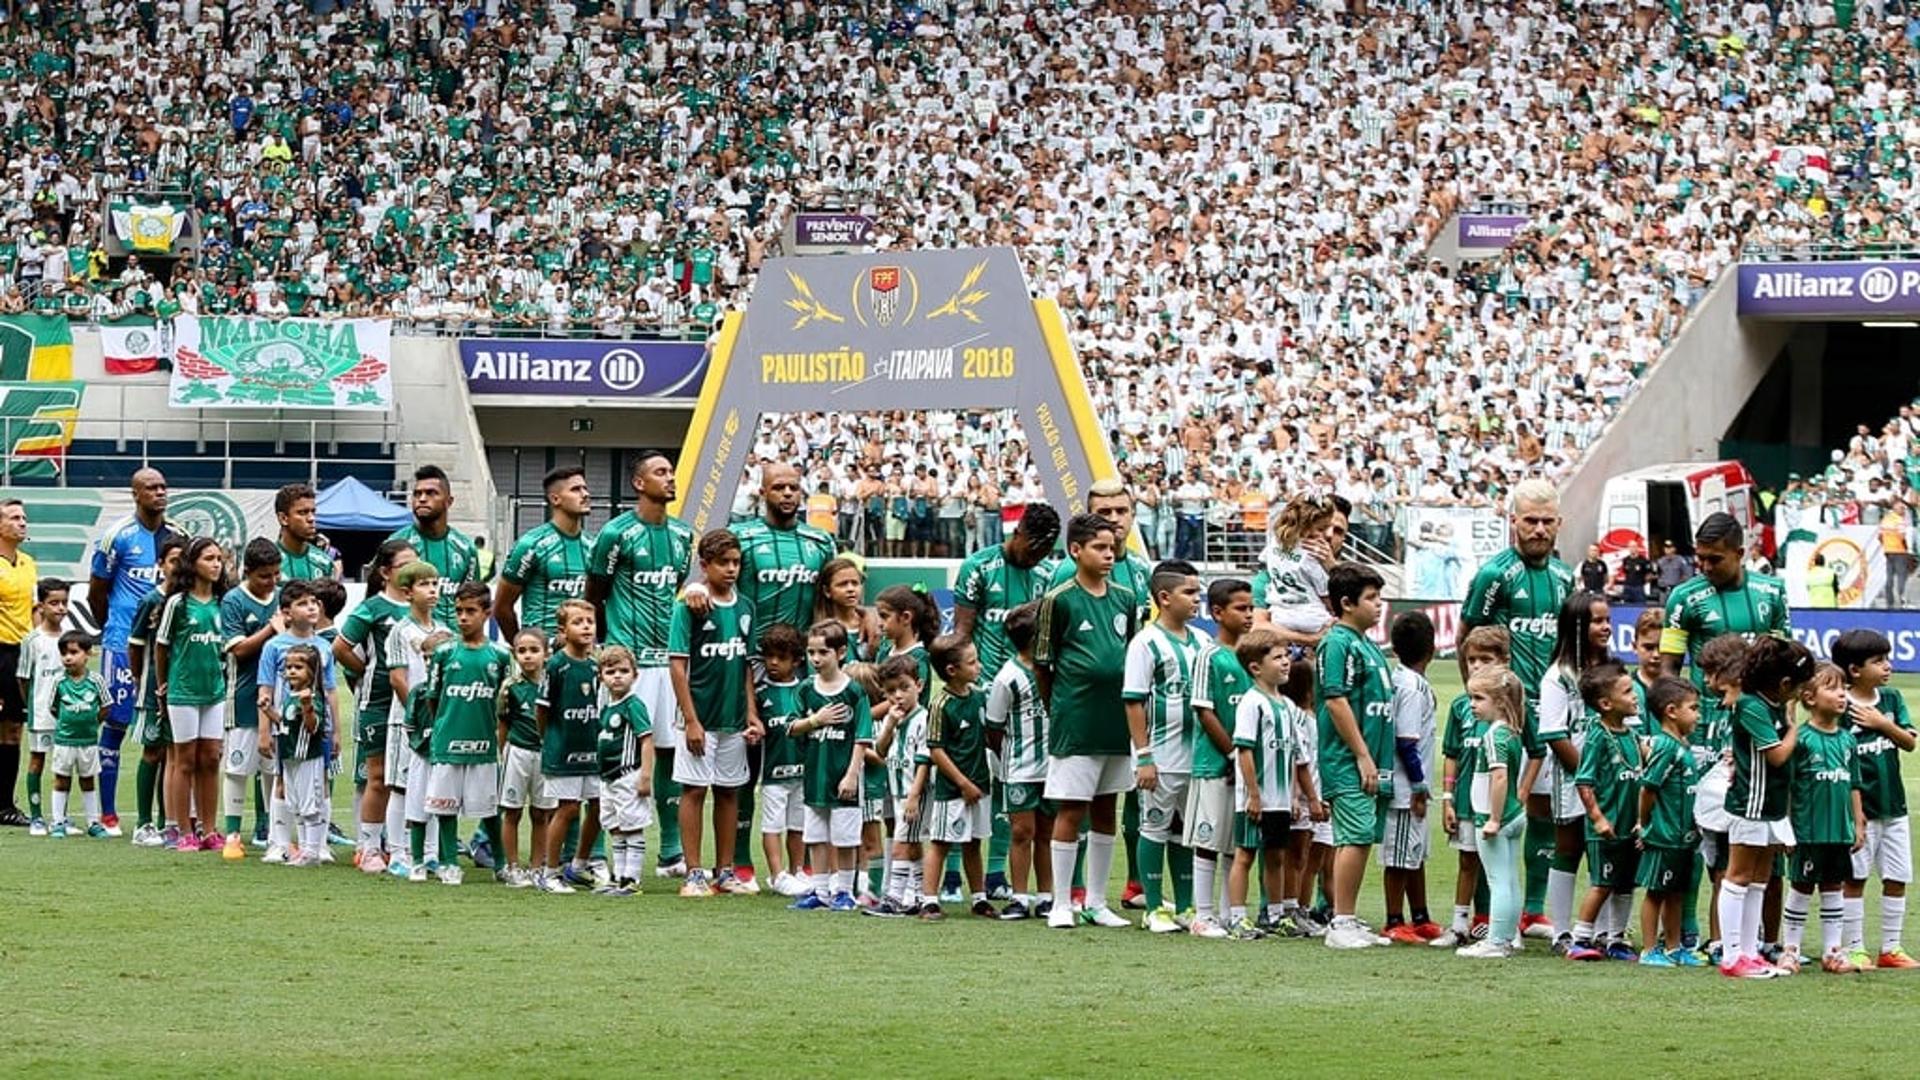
(881,292)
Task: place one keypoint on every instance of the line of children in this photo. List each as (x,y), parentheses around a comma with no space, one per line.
(481,728)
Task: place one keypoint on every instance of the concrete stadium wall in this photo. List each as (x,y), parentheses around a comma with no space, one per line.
(1689,398)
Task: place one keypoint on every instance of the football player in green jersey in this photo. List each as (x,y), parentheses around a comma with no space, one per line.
(451,551)
(568,712)
(249,618)
(1080,657)
(781,557)
(1663,824)
(1829,821)
(1608,783)
(1523,589)
(463,769)
(712,687)
(960,813)
(192,669)
(520,785)
(1761,744)
(1109,498)
(640,562)
(998,578)
(302,556)
(1884,731)
(626,772)
(548,564)
(1355,730)
(1219,681)
(361,649)
(1725,598)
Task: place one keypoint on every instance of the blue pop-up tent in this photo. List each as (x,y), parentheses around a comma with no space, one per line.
(351,504)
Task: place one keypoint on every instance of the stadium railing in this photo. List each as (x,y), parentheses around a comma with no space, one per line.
(208,453)
(1769,253)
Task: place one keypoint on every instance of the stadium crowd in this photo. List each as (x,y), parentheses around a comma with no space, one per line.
(1232,201)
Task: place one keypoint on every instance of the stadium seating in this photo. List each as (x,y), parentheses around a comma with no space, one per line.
(1234,202)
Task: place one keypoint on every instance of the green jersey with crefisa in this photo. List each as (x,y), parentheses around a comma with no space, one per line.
(645,566)
(715,648)
(1083,639)
(571,745)
(550,568)
(830,749)
(1610,765)
(1353,668)
(992,587)
(466,681)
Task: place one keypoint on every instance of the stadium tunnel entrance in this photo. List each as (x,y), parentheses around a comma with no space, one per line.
(1830,379)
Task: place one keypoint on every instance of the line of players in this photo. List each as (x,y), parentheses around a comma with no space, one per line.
(941,794)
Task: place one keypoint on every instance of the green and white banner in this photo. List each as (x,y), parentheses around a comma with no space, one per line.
(1852,552)
(250,363)
(147,229)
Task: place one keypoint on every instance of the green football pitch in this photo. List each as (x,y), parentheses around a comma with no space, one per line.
(120,961)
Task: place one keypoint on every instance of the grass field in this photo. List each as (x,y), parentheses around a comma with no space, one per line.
(121,961)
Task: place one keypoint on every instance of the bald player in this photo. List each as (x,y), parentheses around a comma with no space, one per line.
(1522,589)
(126,567)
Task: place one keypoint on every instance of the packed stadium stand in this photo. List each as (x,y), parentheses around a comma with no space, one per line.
(1236,204)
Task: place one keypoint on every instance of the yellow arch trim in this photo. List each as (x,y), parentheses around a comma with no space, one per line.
(705,407)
